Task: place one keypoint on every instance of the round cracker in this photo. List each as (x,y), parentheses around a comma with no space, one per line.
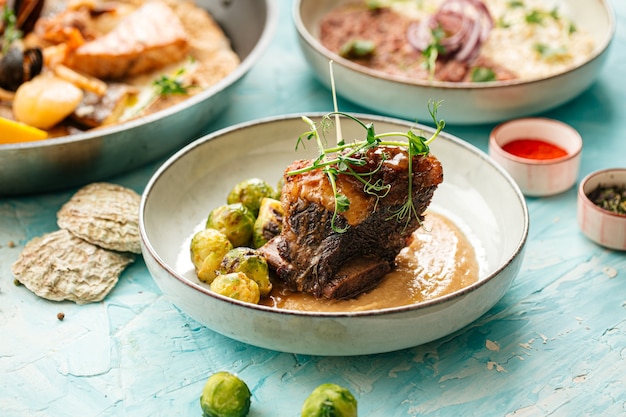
(60,266)
(104,214)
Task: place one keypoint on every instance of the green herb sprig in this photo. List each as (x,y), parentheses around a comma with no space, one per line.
(339,160)
(432,51)
(167,85)
(11,32)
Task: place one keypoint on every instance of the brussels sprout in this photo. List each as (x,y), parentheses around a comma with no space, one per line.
(225,395)
(330,400)
(235,221)
(238,286)
(251,263)
(269,222)
(208,248)
(250,192)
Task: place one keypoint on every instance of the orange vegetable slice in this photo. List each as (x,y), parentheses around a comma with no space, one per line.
(16,132)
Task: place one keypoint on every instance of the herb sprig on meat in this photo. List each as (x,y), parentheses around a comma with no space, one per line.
(339,159)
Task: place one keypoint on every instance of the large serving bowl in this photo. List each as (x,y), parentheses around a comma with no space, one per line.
(465,103)
(478,194)
(78,159)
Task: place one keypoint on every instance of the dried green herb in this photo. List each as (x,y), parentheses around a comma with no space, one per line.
(610,197)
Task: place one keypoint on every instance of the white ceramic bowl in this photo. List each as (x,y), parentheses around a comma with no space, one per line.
(68,161)
(476,192)
(464,103)
(535,177)
(601,226)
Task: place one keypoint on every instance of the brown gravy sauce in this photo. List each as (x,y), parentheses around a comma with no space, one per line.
(440,260)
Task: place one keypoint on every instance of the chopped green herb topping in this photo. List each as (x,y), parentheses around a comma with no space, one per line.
(482,74)
(357,48)
(538,16)
(166,85)
(548,52)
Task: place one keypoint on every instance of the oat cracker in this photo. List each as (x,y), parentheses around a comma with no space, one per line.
(104,214)
(60,266)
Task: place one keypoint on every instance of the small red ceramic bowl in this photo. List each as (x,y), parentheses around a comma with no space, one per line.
(542,155)
(603,226)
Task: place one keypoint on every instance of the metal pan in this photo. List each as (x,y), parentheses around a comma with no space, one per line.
(74,160)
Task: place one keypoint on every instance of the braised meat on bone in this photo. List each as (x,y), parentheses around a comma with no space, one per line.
(310,256)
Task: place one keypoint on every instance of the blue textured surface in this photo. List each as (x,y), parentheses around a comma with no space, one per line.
(554,345)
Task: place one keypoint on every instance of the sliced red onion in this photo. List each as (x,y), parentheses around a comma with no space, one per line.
(462,44)
(419,34)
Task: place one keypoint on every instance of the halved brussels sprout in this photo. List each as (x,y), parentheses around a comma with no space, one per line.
(251,263)
(235,221)
(238,286)
(208,248)
(268,223)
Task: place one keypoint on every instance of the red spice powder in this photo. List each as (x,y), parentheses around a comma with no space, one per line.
(534,149)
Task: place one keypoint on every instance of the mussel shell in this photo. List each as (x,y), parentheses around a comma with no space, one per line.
(18,66)
(27,12)
(33,63)
(12,69)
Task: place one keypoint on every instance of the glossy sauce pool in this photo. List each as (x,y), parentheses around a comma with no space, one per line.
(440,260)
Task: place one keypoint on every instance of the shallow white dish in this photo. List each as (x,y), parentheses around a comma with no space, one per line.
(476,193)
(465,103)
(68,161)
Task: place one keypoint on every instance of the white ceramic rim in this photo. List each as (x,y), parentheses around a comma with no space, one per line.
(380,312)
(582,192)
(445,85)
(495,146)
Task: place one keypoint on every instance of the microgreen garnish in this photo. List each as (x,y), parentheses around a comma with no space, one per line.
(339,160)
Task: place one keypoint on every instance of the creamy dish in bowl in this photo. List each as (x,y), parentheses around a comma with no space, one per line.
(489,60)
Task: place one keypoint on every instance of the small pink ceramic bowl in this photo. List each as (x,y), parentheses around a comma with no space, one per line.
(604,227)
(538,177)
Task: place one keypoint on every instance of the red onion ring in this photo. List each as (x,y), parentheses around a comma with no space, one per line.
(462,43)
